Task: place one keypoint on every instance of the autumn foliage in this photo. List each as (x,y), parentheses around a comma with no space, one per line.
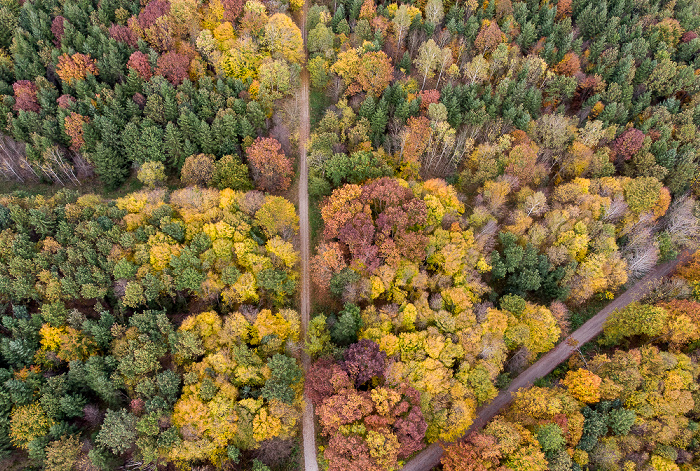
(489,37)
(140,63)
(628,143)
(25,96)
(76,67)
(271,169)
(74,128)
(123,34)
(618,399)
(173,66)
(369,71)
(390,415)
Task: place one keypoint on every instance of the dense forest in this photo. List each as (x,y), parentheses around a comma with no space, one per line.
(486,174)
(483,178)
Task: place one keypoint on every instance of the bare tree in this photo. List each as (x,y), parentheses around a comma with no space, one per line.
(641,251)
(536,204)
(641,260)
(669,289)
(13,161)
(443,37)
(617,209)
(682,224)
(486,238)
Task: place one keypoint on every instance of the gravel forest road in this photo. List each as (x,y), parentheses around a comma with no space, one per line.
(430,457)
(307,426)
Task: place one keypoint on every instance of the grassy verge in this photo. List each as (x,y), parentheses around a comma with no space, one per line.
(580,316)
(88,186)
(318,102)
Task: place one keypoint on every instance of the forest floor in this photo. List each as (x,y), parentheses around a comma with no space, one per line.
(307,429)
(430,457)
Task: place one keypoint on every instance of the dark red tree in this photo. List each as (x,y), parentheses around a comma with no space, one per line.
(358,234)
(688,36)
(139,62)
(57,29)
(410,428)
(174,67)
(139,99)
(586,88)
(123,34)
(232,8)
(271,169)
(364,361)
(396,234)
(65,101)
(348,454)
(384,192)
(628,143)
(318,384)
(152,11)
(25,96)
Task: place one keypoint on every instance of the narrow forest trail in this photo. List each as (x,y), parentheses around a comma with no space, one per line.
(430,457)
(307,427)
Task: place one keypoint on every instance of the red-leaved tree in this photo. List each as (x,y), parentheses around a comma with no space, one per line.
(57,30)
(428,97)
(139,62)
(152,11)
(123,34)
(25,96)
(318,384)
(328,261)
(364,361)
(174,67)
(377,223)
(688,36)
(628,143)
(65,101)
(390,413)
(477,453)
(232,8)
(271,169)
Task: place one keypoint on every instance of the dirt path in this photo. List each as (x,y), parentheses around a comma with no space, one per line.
(430,457)
(307,425)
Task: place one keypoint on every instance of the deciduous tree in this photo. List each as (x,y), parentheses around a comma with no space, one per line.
(271,169)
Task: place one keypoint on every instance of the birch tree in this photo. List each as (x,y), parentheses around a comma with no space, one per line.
(428,59)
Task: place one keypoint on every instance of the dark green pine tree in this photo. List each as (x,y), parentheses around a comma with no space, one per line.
(338,17)
(255,115)
(155,108)
(170,107)
(188,124)
(190,148)
(131,143)
(367,108)
(379,122)
(174,147)
(152,143)
(246,129)
(204,138)
(134,83)
(110,165)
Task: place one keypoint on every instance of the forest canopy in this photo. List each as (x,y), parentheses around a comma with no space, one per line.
(483,177)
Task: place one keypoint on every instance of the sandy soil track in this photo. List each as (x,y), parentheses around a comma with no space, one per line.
(307,427)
